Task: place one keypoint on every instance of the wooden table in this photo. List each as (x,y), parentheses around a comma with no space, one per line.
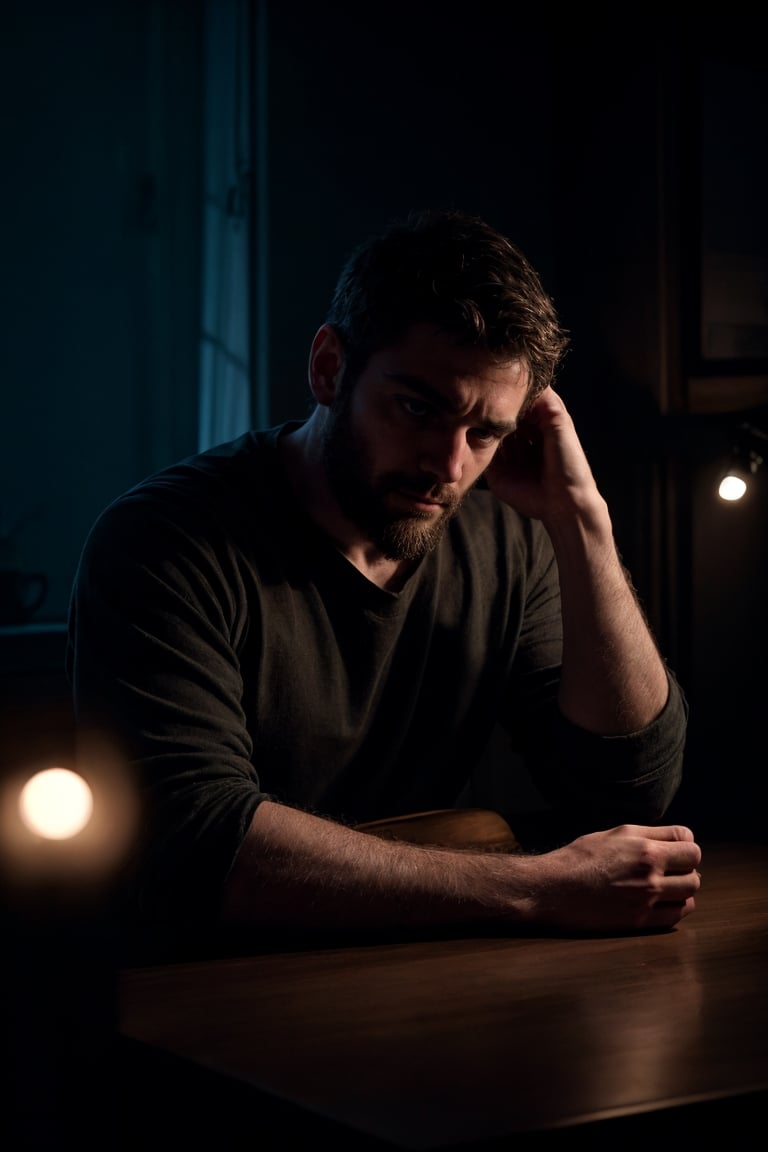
(475,1042)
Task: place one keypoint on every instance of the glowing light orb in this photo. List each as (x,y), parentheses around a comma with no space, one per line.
(732,488)
(56,803)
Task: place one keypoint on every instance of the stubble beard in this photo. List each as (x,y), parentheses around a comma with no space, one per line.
(363,499)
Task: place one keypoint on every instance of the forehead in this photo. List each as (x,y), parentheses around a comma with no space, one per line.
(462,378)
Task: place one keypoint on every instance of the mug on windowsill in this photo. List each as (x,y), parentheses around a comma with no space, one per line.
(21,594)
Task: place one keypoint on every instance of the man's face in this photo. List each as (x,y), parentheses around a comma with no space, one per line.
(406,440)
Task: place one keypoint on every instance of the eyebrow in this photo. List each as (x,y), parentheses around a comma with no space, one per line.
(499,428)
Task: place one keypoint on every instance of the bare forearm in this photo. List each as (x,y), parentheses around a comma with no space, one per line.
(613,678)
(297,870)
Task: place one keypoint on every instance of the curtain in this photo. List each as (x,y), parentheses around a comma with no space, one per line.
(225,393)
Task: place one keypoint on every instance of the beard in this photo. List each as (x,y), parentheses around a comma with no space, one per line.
(362,495)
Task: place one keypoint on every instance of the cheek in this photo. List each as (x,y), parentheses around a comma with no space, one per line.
(476,468)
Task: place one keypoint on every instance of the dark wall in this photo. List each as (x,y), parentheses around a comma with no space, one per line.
(724,620)
(99,219)
(376,109)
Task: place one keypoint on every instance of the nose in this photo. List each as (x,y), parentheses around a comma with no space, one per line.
(444,456)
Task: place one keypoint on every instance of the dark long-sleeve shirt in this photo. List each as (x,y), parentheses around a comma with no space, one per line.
(228,652)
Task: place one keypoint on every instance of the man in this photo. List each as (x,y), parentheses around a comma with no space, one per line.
(320,624)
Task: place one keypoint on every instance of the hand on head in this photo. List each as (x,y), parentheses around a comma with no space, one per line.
(542,469)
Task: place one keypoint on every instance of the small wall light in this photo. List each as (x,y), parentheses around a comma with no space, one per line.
(746,458)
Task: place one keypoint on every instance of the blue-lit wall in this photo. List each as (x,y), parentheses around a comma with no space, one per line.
(99,269)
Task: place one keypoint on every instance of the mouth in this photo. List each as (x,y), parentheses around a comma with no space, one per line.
(420,502)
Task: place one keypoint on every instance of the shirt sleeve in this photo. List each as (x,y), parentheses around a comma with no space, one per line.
(155,621)
(595,782)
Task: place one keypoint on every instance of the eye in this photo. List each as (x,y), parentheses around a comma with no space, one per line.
(485,436)
(415,407)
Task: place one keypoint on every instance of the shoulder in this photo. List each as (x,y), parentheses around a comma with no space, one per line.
(219,482)
(206,501)
(226,471)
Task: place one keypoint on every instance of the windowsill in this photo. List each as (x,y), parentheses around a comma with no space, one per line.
(33,628)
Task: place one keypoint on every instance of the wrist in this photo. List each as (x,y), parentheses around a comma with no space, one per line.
(584,526)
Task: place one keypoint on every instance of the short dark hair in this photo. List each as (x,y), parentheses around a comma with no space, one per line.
(445,267)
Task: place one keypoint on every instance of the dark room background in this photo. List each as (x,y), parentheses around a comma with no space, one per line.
(630,165)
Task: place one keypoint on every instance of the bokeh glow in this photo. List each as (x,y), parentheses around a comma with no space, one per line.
(56,803)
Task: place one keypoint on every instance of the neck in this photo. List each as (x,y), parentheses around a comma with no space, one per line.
(302,459)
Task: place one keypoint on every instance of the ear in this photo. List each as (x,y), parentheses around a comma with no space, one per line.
(326,364)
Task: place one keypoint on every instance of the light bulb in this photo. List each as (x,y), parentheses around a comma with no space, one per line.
(732,487)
